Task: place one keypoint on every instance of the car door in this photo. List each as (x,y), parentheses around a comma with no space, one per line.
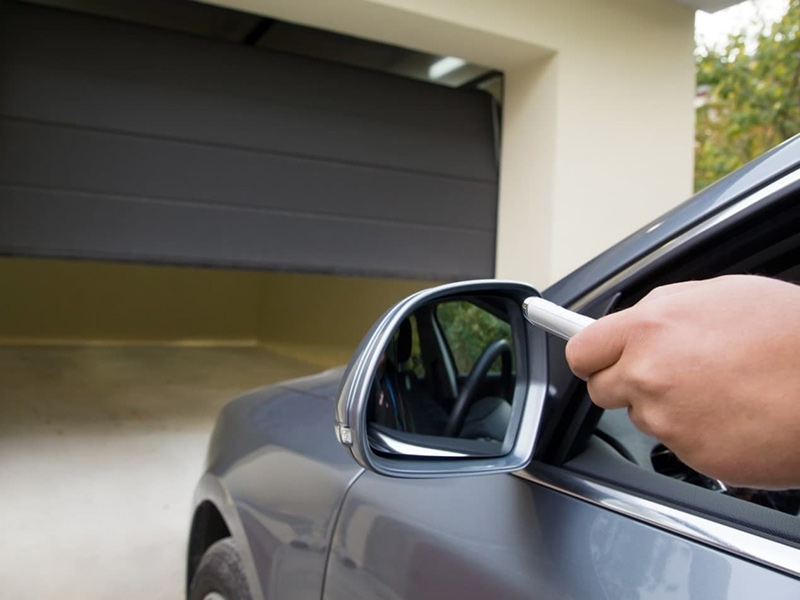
(511,536)
(592,516)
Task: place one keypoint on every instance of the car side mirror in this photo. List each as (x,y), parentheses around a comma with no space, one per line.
(449,381)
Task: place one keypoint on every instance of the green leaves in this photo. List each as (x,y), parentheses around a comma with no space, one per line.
(753,98)
(469,330)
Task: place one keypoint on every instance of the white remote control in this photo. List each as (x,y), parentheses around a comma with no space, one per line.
(553,318)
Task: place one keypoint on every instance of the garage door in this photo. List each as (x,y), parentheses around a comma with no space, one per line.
(124,142)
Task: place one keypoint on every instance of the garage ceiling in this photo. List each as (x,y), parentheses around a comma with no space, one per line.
(217,23)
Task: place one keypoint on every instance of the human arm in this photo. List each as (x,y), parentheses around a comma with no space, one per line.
(710,368)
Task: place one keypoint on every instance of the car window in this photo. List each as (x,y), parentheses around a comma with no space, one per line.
(468,330)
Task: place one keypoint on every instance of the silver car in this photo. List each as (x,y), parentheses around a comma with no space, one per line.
(458,457)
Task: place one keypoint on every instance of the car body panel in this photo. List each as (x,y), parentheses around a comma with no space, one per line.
(309,522)
(502,536)
(277,475)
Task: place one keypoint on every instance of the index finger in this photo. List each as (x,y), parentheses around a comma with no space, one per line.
(598,346)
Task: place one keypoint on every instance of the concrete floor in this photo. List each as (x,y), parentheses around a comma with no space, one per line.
(100,449)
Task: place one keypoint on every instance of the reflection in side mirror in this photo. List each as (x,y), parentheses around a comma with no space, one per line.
(449,381)
(447,372)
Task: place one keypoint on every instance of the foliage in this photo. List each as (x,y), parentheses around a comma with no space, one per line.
(753,99)
(469,330)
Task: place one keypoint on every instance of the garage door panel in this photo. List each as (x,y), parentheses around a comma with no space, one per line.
(129,143)
(68,68)
(82,225)
(66,158)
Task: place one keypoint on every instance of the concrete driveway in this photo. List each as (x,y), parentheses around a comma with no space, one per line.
(100,449)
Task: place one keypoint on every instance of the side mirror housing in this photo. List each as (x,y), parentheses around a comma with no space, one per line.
(450,381)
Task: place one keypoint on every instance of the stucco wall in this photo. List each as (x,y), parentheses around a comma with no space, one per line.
(598,118)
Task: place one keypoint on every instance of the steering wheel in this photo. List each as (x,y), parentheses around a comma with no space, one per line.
(469,393)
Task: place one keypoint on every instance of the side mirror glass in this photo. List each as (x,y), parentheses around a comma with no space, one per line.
(450,381)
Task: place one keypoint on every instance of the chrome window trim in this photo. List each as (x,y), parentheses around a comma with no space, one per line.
(747,545)
(682,239)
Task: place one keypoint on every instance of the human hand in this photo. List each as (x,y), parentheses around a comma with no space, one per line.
(710,368)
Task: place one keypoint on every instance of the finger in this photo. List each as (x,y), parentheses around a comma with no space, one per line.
(599,345)
(607,390)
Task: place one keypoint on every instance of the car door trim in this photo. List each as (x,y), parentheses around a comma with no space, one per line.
(671,245)
(747,545)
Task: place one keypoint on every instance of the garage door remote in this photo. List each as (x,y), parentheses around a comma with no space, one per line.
(553,318)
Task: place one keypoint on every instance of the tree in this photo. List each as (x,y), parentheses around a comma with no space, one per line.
(753,97)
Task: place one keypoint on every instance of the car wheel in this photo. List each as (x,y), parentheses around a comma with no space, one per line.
(220,574)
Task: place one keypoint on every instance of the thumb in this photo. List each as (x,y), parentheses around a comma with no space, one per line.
(598,346)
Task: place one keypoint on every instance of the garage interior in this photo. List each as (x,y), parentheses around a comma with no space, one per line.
(195,202)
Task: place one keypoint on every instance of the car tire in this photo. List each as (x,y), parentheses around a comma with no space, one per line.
(220,574)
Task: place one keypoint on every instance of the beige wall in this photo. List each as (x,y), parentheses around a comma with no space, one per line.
(598,119)
(317,318)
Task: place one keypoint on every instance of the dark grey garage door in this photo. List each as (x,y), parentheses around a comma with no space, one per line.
(123,142)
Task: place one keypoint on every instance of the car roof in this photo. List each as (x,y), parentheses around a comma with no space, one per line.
(753,176)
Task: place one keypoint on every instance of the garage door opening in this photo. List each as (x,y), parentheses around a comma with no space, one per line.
(317,319)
